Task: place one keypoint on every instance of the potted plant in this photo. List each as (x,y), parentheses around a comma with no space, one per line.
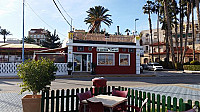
(69,66)
(36,75)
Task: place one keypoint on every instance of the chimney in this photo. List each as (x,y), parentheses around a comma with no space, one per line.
(117,30)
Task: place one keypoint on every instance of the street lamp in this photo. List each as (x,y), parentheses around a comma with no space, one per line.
(23,35)
(135,25)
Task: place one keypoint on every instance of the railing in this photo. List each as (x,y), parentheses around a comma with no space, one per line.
(67,100)
(11,69)
(101,37)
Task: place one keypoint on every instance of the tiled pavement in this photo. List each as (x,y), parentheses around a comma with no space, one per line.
(179,91)
(11,101)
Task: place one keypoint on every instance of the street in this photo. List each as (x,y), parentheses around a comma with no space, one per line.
(180,85)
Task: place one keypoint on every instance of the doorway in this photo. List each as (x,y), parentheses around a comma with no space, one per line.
(82,63)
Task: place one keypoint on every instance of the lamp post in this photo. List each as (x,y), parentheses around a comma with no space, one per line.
(135,25)
(23,36)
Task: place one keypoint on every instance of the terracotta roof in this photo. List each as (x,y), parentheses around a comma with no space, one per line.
(156,44)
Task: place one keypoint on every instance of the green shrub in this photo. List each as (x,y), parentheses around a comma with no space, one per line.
(166,65)
(178,66)
(36,75)
(194,63)
(191,67)
(187,63)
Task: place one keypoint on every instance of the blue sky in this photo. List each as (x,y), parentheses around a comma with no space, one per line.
(123,12)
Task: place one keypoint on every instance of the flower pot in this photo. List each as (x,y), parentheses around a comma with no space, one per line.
(31,104)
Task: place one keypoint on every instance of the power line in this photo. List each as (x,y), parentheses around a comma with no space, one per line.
(62,13)
(64,9)
(43,20)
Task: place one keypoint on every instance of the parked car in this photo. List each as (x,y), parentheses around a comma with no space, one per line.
(154,66)
(145,66)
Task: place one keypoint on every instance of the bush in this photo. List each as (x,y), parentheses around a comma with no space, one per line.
(194,63)
(187,63)
(178,66)
(166,65)
(36,75)
(191,67)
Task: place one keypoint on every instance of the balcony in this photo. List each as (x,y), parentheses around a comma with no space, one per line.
(102,37)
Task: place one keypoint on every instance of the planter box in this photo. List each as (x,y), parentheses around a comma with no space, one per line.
(31,104)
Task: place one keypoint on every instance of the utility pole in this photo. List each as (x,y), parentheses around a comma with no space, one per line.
(23,36)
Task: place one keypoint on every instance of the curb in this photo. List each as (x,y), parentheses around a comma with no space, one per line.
(81,76)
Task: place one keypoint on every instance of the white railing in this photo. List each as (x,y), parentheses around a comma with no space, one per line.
(10,69)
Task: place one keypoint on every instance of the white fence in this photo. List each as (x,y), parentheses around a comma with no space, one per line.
(10,69)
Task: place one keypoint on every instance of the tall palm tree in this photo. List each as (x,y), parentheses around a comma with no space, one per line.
(193,38)
(166,2)
(149,8)
(187,28)
(198,17)
(96,15)
(175,13)
(4,32)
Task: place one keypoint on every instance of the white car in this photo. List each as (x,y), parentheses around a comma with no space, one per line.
(154,66)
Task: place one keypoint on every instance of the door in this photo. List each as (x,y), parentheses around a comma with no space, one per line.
(77,62)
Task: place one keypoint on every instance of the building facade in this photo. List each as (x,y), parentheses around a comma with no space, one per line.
(38,35)
(112,54)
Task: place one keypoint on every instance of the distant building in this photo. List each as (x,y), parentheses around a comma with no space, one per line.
(11,53)
(12,41)
(38,35)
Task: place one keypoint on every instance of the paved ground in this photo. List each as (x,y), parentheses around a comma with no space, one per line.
(180,85)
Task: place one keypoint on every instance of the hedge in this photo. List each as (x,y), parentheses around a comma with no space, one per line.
(191,67)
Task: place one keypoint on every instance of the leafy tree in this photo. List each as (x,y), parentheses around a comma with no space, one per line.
(29,40)
(96,15)
(4,32)
(51,40)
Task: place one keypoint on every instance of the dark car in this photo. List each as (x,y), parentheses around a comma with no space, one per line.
(145,66)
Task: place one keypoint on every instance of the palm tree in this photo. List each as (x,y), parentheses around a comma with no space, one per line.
(149,8)
(187,28)
(4,32)
(193,38)
(167,18)
(198,17)
(127,31)
(96,15)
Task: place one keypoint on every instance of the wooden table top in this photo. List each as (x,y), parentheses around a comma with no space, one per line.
(108,101)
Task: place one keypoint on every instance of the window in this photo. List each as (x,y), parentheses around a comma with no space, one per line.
(124,59)
(105,59)
(124,50)
(89,48)
(131,50)
(80,48)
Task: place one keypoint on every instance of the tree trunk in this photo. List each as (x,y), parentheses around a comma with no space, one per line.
(158,36)
(169,31)
(150,26)
(4,38)
(167,46)
(193,38)
(176,37)
(198,17)
(187,28)
(181,30)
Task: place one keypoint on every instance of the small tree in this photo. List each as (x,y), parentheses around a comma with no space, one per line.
(127,31)
(29,40)
(4,32)
(36,75)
